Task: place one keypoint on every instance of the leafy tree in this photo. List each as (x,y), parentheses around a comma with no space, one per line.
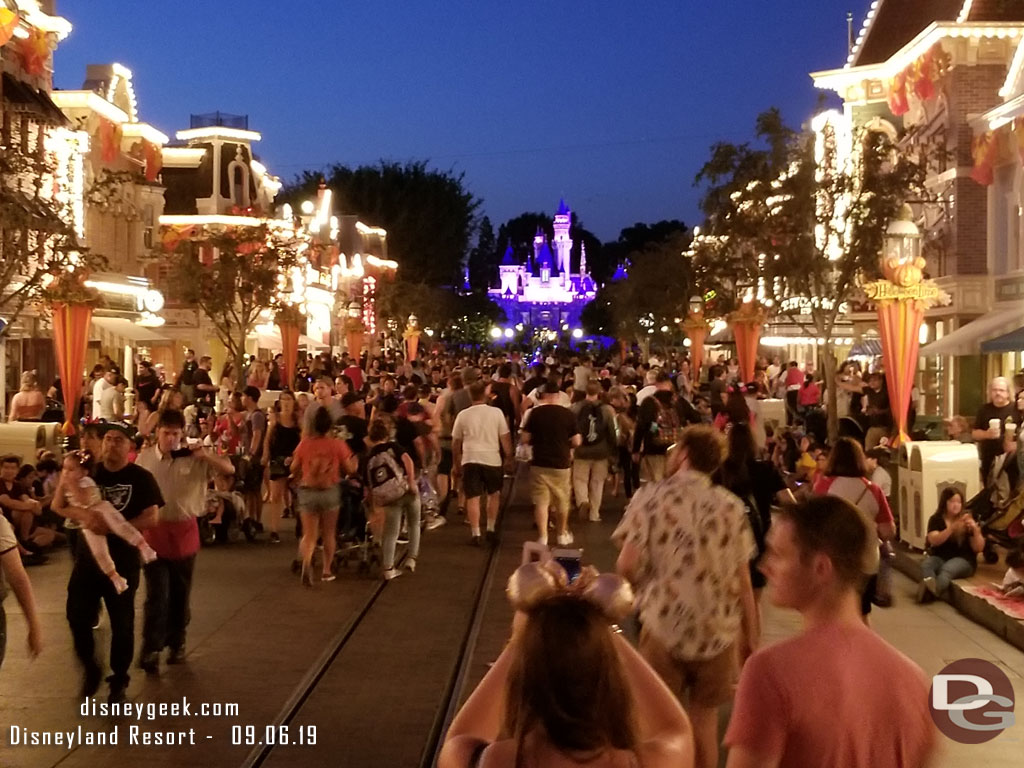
(800,222)
(38,242)
(484,258)
(653,296)
(234,275)
(427,213)
(633,240)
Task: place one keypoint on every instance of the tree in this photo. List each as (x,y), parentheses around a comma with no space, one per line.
(798,220)
(484,258)
(428,214)
(235,275)
(633,240)
(38,242)
(648,305)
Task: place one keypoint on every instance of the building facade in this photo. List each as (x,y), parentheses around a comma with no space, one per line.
(925,71)
(540,290)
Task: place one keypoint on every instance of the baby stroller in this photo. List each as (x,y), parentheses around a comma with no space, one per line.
(1001,527)
(356,544)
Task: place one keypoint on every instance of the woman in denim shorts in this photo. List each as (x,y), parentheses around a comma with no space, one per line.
(317,464)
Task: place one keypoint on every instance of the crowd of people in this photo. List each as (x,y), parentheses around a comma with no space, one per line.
(371,452)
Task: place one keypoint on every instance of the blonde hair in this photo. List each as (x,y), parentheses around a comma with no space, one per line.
(29,381)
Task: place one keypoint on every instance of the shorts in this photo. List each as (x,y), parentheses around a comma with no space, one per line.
(550,487)
(316,501)
(278,470)
(444,467)
(480,479)
(707,681)
(253,477)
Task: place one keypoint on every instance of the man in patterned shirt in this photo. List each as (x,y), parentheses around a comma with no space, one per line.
(686,546)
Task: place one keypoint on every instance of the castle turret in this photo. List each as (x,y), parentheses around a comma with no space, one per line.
(562,242)
(508,270)
(583,259)
(544,262)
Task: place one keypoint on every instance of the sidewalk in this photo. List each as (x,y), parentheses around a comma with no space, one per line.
(970,605)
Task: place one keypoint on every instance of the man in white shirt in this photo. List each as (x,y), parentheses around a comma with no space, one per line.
(112,401)
(481,444)
(877,474)
(107,381)
(656,380)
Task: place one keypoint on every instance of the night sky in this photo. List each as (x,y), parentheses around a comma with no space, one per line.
(612,104)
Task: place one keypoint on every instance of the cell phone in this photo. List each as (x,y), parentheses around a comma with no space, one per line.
(570,560)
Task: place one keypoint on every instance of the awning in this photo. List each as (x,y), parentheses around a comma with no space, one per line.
(967,340)
(273,341)
(1008,342)
(126,329)
(22,97)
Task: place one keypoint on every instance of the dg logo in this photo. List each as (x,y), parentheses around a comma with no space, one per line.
(972,701)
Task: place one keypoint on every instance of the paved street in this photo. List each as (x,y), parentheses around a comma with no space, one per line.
(255,635)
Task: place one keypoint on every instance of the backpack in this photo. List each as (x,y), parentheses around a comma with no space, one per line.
(387,477)
(590,423)
(665,427)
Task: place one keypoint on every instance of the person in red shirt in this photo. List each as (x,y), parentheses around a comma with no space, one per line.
(317,465)
(794,380)
(809,395)
(836,694)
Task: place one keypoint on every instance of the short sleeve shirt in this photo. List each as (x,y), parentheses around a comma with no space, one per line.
(694,542)
(15,491)
(551,429)
(833,696)
(318,461)
(255,423)
(130,491)
(480,428)
(951,547)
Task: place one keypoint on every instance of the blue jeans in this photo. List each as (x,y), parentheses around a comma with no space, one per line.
(944,571)
(167,611)
(409,508)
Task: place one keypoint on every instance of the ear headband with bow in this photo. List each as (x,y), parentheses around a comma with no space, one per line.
(532,583)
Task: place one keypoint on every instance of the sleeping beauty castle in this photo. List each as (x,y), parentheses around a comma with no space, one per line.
(542,291)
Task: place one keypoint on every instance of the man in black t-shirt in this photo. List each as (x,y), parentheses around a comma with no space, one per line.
(352,427)
(998,408)
(133,492)
(551,429)
(206,391)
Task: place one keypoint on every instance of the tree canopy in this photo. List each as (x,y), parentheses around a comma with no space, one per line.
(429,214)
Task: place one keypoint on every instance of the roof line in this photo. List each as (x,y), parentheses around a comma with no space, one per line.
(865,30)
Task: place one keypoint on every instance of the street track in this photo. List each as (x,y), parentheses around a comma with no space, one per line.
(335,650)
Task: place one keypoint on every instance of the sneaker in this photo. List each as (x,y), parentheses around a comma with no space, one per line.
(564,539)
(930,585)
(150,663)
(594,518)
(474,541)
(435,522)
(118,693)
(410,564)
(177,655)
(328,577)
(275,538)
(492,538)
(391,573)
(403,538)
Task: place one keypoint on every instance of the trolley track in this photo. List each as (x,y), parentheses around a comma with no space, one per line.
(303,696)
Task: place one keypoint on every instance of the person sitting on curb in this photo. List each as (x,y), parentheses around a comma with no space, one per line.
(954,541)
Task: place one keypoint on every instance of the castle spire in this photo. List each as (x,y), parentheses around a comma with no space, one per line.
(583,259)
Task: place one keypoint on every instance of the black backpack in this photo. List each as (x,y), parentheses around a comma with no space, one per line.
(590,423)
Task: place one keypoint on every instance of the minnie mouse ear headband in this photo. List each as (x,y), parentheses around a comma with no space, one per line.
(533,583)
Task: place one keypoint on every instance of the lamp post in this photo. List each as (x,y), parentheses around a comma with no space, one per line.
(901,297)
(696,329)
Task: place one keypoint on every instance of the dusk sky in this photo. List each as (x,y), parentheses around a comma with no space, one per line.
(611,104)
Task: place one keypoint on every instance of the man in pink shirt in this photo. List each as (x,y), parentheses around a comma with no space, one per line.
(836,695)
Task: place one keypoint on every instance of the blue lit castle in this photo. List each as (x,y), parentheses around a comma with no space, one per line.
(543,292)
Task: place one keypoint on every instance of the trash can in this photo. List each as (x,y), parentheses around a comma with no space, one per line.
(773,412)
(904,490)
(934,466)
(24,438)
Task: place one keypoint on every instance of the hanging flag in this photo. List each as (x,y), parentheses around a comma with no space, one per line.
(898,103)
(109,140)
(154,160)
(35,52)
(8,23)
(983,150)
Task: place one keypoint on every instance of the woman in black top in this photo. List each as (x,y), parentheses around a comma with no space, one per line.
(954,541)
(282,439)
(758,484)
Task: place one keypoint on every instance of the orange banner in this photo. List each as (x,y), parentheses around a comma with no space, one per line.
(8,23)
(697,334)
(899,323)
(70,338)
(289,351)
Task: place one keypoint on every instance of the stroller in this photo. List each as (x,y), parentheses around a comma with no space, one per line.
(356,543)
(1001,527)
